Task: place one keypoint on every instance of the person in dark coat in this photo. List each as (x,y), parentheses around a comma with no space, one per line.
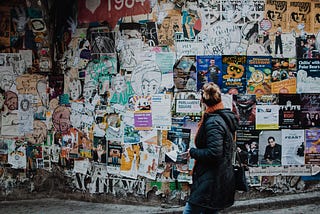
(213,184)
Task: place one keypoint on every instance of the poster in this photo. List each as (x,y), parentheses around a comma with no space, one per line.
(142,112)
(258,75)
(130,161)
(245,109)
(110,11)
(233,74)
(308,76)
(270,143)
(114,149)
(312,152)
(209,70)
(248,146)
(267,117)
(161,111)
(17,154)
(180,141)
(289,111)
(310,110)
(292,146)
(149,158)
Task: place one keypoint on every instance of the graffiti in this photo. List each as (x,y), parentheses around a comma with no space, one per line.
(122,90)
(146,78)
(98,181)
(149,32)
(282,184)
(224,36)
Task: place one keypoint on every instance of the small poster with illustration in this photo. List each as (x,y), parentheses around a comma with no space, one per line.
(180,139)
(130,161)
(149,158)
(233,74)
(258,75)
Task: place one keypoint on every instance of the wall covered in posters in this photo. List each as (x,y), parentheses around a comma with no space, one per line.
(114,102)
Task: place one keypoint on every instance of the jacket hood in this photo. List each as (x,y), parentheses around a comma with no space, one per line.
(230,118)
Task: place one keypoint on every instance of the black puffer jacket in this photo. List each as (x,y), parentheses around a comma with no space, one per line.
(213,179)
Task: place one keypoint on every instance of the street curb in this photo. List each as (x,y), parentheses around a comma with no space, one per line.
(278,202)
(267,203)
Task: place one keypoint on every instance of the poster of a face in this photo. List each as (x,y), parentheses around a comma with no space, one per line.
(61,119)
(75,89)
(7,78)
(146,78)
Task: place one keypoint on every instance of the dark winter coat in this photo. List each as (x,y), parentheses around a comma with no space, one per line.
(213,179)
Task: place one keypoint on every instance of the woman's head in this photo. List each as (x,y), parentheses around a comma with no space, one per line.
(211,94)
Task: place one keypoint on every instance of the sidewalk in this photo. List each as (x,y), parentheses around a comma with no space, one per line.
(276,202)
(269,203)
(53,206)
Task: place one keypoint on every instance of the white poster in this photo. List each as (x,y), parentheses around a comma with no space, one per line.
(267,117)
(149,158)
(161,111)
(16,154)
(81,166)
(188,106)
(25,113)
(292,147)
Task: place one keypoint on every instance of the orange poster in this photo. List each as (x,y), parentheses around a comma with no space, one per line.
(288,86)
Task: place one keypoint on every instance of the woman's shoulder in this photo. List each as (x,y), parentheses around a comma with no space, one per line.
(215,118)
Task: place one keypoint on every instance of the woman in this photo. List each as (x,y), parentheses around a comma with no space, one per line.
(213,185)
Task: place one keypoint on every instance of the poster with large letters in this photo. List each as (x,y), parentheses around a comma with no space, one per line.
(110,11)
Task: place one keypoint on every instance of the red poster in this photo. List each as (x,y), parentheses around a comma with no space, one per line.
(110,10)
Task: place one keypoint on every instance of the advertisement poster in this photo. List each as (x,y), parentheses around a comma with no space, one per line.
(289,111)
(209,70)
(258,75)
(161,111)
(312,153)
(270,148)
(233,74)
(267,117)
(245,109)
(142,112)
(180,141)
(292,146)
(308,76)
(310,110)
(248,146)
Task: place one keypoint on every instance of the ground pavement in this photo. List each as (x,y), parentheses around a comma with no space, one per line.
(293,204)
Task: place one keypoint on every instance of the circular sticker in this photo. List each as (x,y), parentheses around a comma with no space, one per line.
(265,24)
